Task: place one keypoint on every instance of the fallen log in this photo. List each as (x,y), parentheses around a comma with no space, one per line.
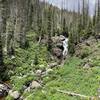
(75,94)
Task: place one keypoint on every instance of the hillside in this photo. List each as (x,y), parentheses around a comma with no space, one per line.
(49,52)
(79,75)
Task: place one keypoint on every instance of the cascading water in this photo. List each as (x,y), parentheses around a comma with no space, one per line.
(65,46)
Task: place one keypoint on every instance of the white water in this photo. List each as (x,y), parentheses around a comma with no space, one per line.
(65,45)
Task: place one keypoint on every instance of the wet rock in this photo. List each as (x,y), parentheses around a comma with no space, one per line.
(14,94)
(61,38)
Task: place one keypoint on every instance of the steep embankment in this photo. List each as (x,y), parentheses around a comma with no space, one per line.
(80,74)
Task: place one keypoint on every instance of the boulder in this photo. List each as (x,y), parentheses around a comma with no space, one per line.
(27,90)
(14,94)
(88,65)
(35,84)
(38,72)
(57,52)
(61,38)
(55,39)
(3,90)
(13,57)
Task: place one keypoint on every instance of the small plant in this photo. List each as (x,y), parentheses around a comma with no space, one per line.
(36,62)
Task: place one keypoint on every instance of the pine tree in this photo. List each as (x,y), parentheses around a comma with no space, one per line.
(85,13)
(64,28)
(98,17)
(71,44)
(53,22)
(49,27)
(79,23)
(39,22)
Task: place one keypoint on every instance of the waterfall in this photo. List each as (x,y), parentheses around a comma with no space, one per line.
(65,45)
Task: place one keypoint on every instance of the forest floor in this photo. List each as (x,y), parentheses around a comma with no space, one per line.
(80,73)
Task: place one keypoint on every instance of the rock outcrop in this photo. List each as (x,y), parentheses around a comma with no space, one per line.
(15,94)
(60,46)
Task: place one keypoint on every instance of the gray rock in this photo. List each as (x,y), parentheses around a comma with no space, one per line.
(21,98)
(62,37)
(28,89)
(52,65)
(35,84)
(87,66)
(14,94)
(2,86)
(38,72)
(3,90)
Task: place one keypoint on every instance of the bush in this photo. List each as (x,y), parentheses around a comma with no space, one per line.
(84,53)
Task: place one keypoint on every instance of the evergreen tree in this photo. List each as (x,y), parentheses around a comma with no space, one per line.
(49,27)
(40,24)
(53,22)
(64,28)
(71,44)
(79,23)
(98,17)
(36,62)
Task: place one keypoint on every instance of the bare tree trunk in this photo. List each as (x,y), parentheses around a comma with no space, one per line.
(77,95)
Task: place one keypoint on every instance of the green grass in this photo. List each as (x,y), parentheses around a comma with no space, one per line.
(74,78)
(71,77)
